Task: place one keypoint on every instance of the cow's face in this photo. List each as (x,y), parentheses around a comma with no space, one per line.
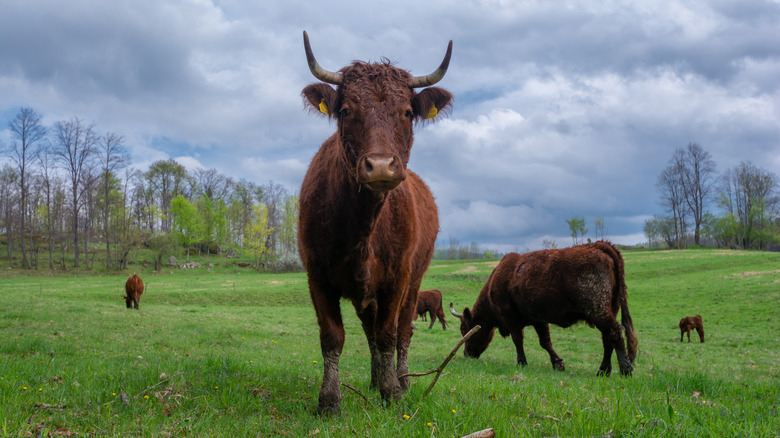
(479,341)
(375,107)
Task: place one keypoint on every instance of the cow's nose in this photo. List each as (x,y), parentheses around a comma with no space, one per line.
(379,168)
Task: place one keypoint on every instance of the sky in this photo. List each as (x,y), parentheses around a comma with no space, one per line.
(562,109)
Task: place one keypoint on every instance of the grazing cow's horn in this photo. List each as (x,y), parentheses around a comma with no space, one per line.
(454,313)
(319,72)
(436,76)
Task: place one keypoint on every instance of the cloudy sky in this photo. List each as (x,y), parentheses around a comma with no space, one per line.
(562,109)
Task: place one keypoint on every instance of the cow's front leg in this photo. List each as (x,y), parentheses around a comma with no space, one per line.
(543,331)
(517,338)
(605,368)
(368,321)
(331,344)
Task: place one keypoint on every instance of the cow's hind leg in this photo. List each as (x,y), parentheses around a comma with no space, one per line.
(368,320)
(433,320)
(135,303)
(612,338)
(543,331)
(129,302)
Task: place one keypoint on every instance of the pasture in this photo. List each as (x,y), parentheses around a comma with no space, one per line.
(236,353)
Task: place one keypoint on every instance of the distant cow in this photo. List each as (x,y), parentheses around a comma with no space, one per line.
(689,323)
(429,302)
(367,225)
(559,286)
(134,287)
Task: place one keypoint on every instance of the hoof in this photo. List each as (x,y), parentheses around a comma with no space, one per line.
(560,366)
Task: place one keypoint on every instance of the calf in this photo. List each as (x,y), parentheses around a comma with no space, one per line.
(429,302)
(134,287)
(689,323)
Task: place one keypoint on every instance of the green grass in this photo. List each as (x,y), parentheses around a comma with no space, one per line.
(236,353)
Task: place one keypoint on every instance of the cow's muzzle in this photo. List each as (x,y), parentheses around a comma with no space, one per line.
(380,173)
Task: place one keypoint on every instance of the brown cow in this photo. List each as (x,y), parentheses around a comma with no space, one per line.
(559,286)
(429,302)
(689,323)
(134,287)
(367,224)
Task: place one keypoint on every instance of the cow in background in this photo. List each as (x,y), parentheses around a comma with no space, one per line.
(367,224)
(690,323)
(430,302)
(558,286)
(134,287)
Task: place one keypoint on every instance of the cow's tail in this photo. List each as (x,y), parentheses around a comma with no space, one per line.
(632,344)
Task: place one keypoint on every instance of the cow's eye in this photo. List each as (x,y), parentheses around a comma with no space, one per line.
(344,112)
(409,114)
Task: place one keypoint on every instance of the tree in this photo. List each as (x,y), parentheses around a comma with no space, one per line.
(27,132)
(8,200)
(661,227)
(749,197)
(74,148)
(113,156)
(696,170)
(50,186)
(670,188)
(166,179)
(288,237)
(257,233)
(187,222)
(577,228)
(600,228)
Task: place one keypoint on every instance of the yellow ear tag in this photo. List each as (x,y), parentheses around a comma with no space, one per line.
(432,113)
(323,107)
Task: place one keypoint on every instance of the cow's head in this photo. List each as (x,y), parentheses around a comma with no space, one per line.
(375,106)
(480,340)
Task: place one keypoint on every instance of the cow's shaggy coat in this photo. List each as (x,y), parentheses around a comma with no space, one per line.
(134,287)
(558,286)
(367,224)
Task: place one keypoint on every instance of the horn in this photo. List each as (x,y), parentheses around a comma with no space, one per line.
(454,313)
(436,76)
(319,72)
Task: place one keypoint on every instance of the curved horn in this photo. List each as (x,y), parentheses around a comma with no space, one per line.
(319,72)
(454,313)
(436,76)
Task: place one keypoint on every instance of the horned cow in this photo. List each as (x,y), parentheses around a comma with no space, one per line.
(367,224)
(134,287)
(559,286)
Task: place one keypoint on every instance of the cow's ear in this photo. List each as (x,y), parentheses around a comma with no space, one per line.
(320,97)
(467,314)
(431,102)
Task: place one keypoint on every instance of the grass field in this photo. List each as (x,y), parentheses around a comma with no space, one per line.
(236,353)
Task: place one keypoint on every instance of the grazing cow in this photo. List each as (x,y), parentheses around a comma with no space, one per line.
(367,224)
(134,287)
(429,301)
(559,286)
(689,323)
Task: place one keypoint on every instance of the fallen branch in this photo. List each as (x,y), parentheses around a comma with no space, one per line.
(347,385)
(438,370)
(486,433)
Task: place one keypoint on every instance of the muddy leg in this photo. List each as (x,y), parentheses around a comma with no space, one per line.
(331,344)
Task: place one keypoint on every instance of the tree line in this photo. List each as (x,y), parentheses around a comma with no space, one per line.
(739,208)
(68,191)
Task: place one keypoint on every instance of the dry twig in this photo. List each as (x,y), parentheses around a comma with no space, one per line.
(347,385)
(438,370)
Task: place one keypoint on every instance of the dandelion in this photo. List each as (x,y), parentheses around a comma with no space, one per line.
(406,417)
(146,397)
(40,389)
(24,388)
(428,424)
(638,415)
(113,393)
(243,337)
(314,361)
(454,411)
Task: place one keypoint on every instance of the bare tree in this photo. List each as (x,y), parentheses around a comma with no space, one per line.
(8,200)
(696,170)
(49,183)
(113,156)
(74,148)
(670,188)
(28,132)
(600,230)
(750,195)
